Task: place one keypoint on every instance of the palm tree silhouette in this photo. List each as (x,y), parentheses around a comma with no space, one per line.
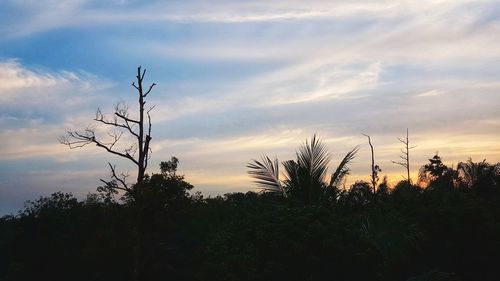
(480,176)
(305,177)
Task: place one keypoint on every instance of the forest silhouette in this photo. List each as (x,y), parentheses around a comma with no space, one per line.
(303,224)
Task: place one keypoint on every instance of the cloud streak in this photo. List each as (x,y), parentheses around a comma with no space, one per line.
(237,80)
(49,14)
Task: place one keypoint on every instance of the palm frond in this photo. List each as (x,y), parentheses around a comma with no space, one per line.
(266,174)
(343,168)
(496,169)
(471,172)
(292,179)
(314,158)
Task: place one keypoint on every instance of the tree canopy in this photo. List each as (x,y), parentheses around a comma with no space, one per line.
(446,231)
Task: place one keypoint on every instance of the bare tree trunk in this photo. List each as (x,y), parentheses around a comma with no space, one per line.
(138,153)
(374,176)
(407,158)
(121,123)
(405,151)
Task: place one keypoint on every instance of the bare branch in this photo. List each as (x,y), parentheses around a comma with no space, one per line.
(100,118)
(120,180)
(116,137)
(133,84)
(126,118)
(114,186)
(72,144)
(149,121)
(132,150)
(121,108)
(147,149)
(138,152)
(125,155)
(405,151)
(119,112)
(404,142)
(88,137)
(399,163)
(149,90)
(75,139)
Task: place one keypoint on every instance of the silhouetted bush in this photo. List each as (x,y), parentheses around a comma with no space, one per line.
(447,231)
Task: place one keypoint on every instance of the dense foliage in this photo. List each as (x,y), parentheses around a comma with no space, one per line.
(449,230)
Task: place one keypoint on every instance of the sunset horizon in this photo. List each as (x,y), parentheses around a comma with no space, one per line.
(236,81)
(250,140)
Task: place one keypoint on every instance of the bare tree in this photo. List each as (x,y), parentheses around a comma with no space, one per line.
(405,156)
(120,123)
(375,168)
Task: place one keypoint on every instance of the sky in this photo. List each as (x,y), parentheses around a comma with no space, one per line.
(240,79)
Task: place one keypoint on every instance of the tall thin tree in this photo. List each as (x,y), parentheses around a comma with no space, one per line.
(120,123)
(405,156)
(375,168)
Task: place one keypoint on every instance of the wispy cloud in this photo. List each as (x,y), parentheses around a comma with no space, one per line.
(431,93)
(237,80)
(49,14)
(36,105)
(27,86)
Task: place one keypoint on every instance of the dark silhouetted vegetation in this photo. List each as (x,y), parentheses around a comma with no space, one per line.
(448,230)
(306,226)
(304,177)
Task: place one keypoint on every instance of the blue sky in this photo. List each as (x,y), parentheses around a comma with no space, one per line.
(238,79)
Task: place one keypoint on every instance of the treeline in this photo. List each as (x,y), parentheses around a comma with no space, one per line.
(449,230)
(305,225)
